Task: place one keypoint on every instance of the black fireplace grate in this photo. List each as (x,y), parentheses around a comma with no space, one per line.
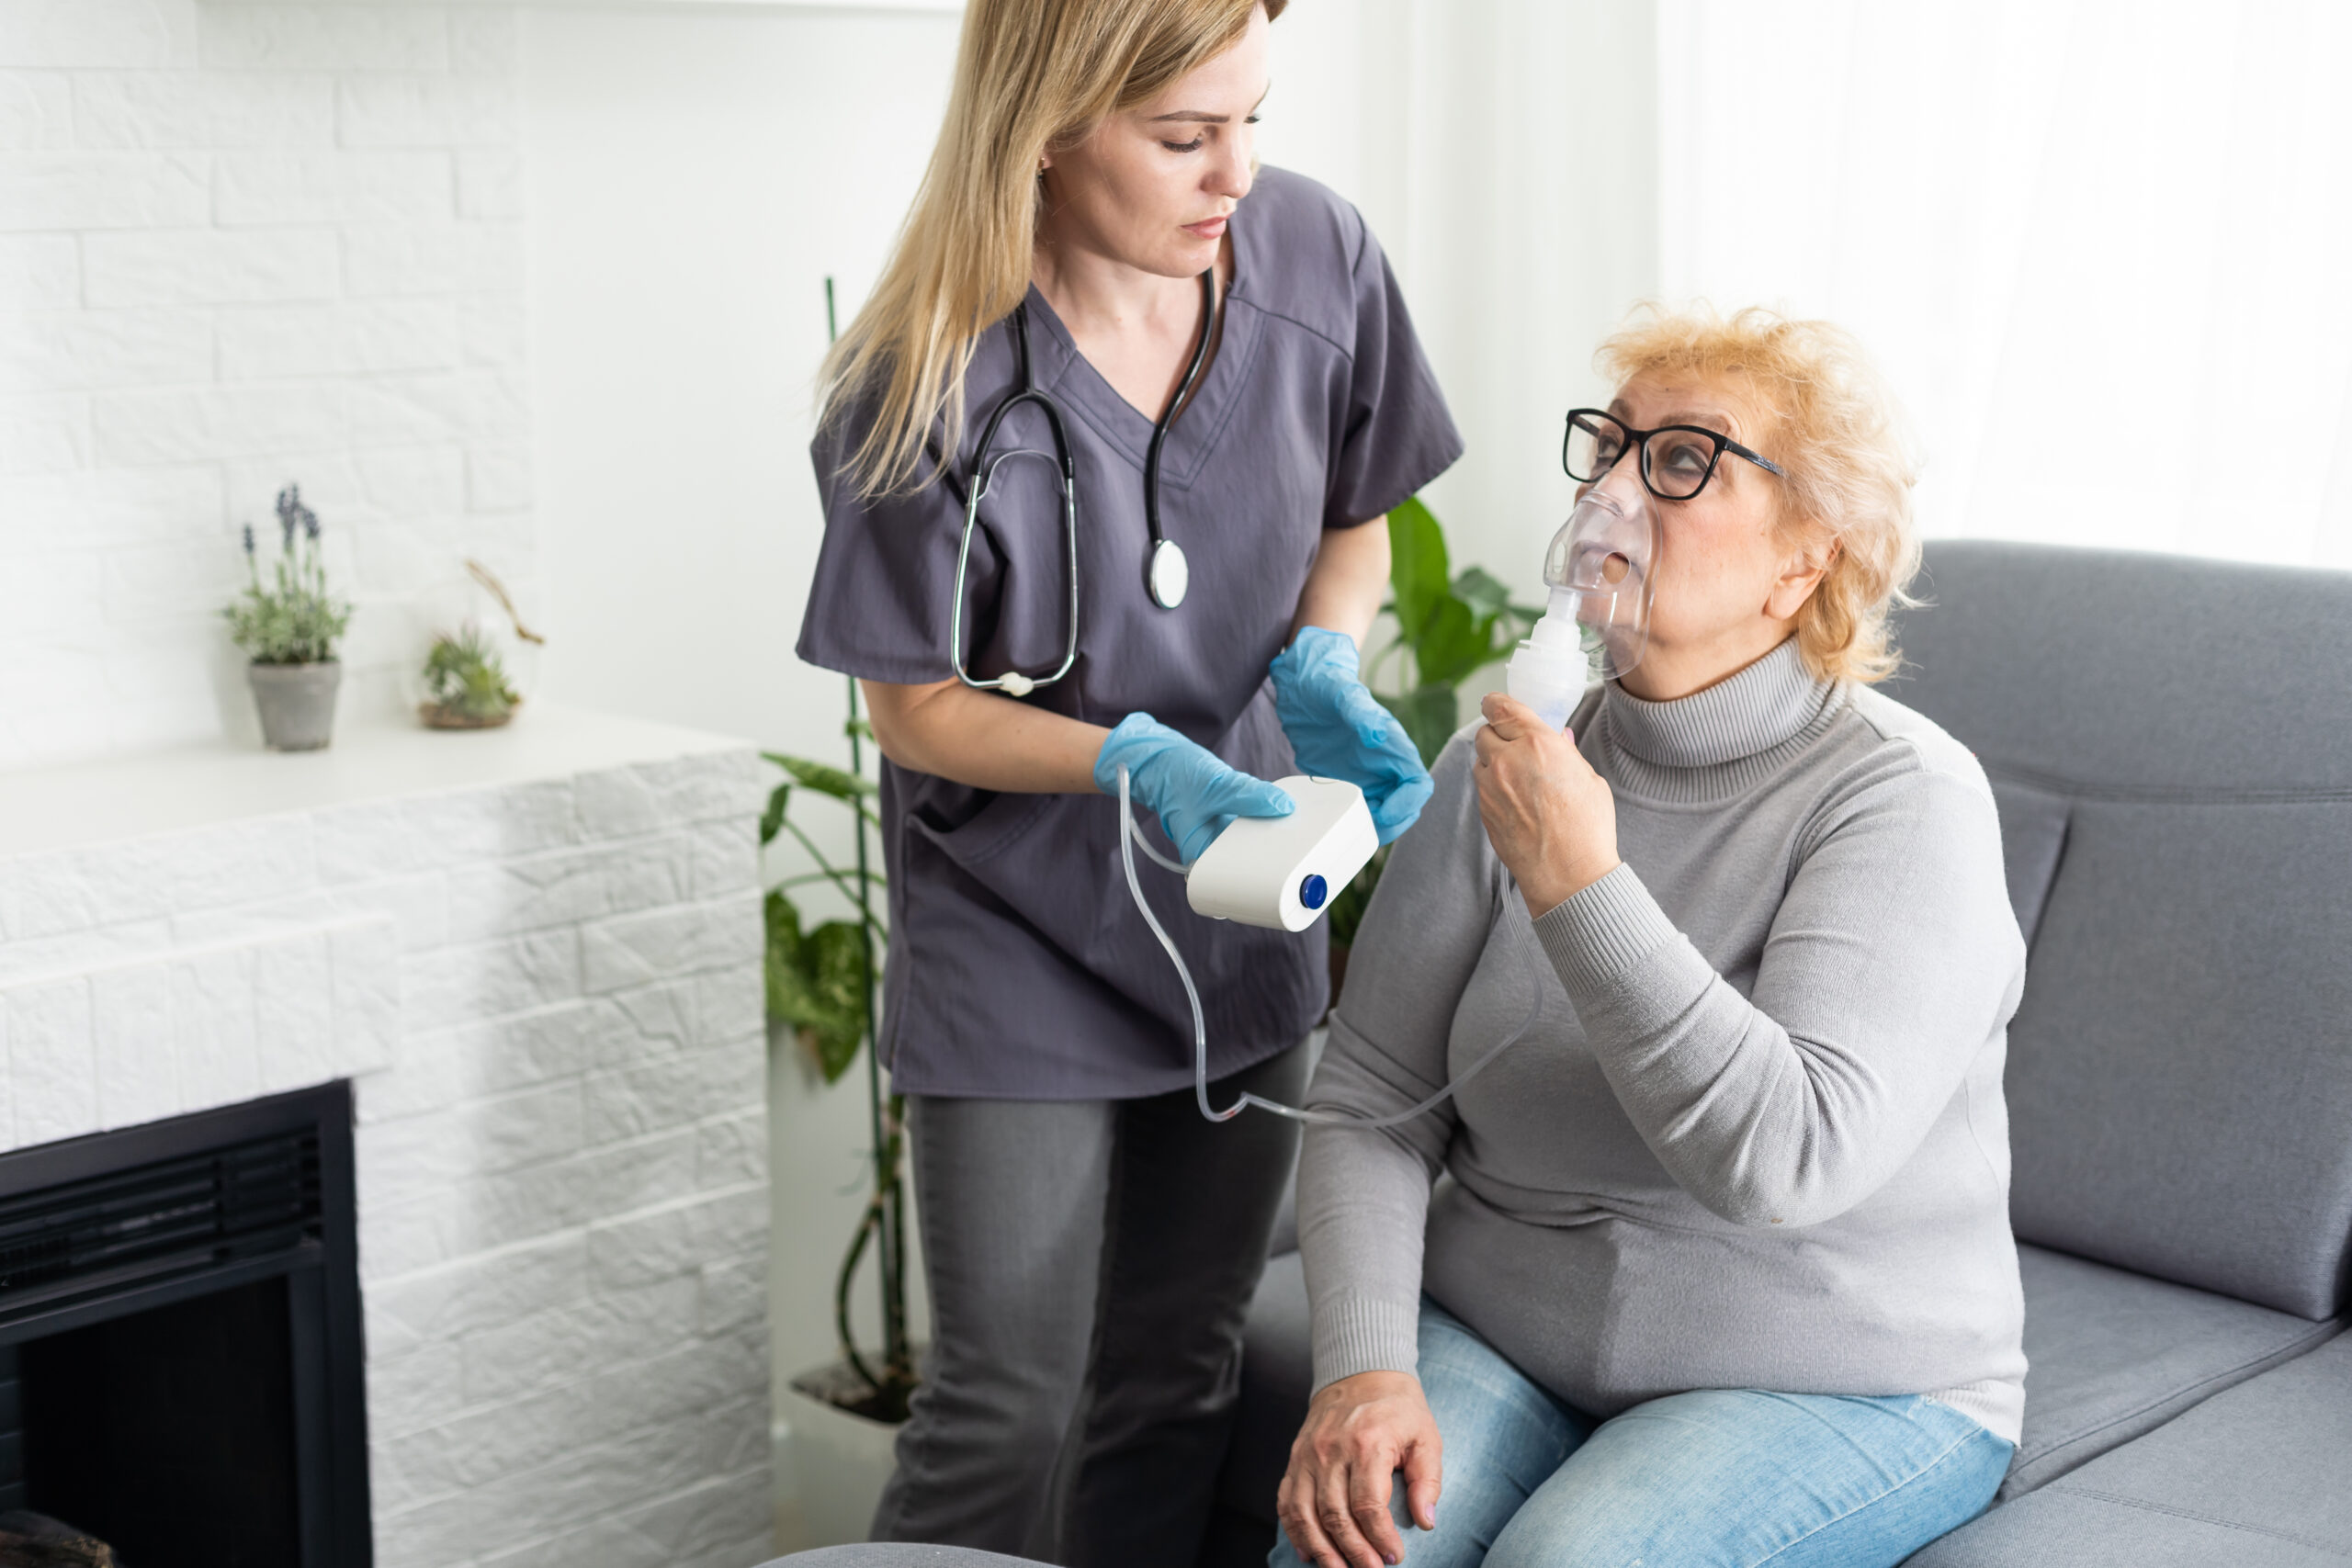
(149,1224)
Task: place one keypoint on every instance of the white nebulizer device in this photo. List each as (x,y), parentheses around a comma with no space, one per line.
(1596,620)
(1280,873)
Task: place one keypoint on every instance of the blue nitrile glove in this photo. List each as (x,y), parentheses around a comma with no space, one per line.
(1340,731)
(1193,794)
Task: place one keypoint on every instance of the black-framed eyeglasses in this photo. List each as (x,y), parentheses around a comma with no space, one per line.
(1677,459)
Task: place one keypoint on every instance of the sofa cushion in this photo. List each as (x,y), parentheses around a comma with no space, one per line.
(2034,835)
(2259,1476)
(2112,667)
(2180,1069)
(2110,1355)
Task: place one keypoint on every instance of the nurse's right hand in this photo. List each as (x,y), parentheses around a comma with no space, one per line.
(1194,793)
(1338,730)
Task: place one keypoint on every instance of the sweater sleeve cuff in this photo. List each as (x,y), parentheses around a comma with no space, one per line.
(1360,1333)
(1598,935)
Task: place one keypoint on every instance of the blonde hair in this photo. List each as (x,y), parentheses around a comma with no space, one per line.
(1831,423)
(1030,76)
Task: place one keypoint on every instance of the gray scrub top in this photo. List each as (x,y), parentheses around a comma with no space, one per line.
(1018,965)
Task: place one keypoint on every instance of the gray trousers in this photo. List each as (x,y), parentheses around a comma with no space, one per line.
(1091,1263)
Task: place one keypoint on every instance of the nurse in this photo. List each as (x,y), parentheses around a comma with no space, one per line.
(1093,208)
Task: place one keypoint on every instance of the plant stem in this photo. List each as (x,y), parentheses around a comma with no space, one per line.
(887,1192)
(867,1222)
(840,879)
(802,880)
(887,1210)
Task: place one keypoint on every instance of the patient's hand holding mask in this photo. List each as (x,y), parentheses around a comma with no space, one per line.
(1595,625)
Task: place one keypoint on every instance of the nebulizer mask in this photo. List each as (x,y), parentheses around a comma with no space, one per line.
(1601,574)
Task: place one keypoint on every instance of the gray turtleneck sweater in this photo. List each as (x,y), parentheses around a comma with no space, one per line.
(1754,1136)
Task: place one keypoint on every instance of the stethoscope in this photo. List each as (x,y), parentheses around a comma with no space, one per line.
(1167,574)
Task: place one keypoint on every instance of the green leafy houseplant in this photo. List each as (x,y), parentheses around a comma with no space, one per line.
(820,987)
(1449,626)
(814,976)
(465,683)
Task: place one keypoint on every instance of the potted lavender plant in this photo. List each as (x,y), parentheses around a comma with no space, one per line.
(288,630)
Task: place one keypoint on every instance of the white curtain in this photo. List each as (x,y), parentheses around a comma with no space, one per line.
(2103,249)
(1504,151)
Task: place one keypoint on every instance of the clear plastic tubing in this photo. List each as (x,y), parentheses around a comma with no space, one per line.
(1129,841)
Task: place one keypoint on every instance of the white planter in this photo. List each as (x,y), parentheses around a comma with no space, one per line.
(296,703)
(836,1464)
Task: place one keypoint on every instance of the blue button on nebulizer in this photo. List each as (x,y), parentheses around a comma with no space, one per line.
(1313,891)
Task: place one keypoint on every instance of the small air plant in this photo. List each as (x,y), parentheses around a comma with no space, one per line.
(294,620)
(466,683)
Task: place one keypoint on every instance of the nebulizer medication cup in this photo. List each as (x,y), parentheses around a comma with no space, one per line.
(1597,618)
(1551,670)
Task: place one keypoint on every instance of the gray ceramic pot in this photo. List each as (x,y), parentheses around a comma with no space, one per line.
(297,702)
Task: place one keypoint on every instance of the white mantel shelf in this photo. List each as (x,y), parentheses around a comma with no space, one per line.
(195,786)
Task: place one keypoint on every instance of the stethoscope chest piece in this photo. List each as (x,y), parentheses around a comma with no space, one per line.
(1169,574)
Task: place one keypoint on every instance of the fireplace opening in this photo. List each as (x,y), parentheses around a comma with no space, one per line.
(180,1367)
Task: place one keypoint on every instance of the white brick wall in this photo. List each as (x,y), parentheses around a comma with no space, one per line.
(242,244)
(548,995)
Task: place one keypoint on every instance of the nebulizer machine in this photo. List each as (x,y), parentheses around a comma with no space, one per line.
(1280,872)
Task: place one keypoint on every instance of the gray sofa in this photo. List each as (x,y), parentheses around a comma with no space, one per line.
(2170,741)
(2171,744)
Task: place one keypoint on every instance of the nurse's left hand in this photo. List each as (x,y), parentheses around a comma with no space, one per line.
(1338,730)
(1550,817)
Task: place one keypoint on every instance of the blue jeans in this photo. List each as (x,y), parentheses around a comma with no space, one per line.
(1717,1478)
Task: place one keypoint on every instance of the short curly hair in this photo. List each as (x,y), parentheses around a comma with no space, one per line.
(1831,423)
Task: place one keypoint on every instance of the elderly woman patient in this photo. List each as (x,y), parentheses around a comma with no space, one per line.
(1717,1269)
